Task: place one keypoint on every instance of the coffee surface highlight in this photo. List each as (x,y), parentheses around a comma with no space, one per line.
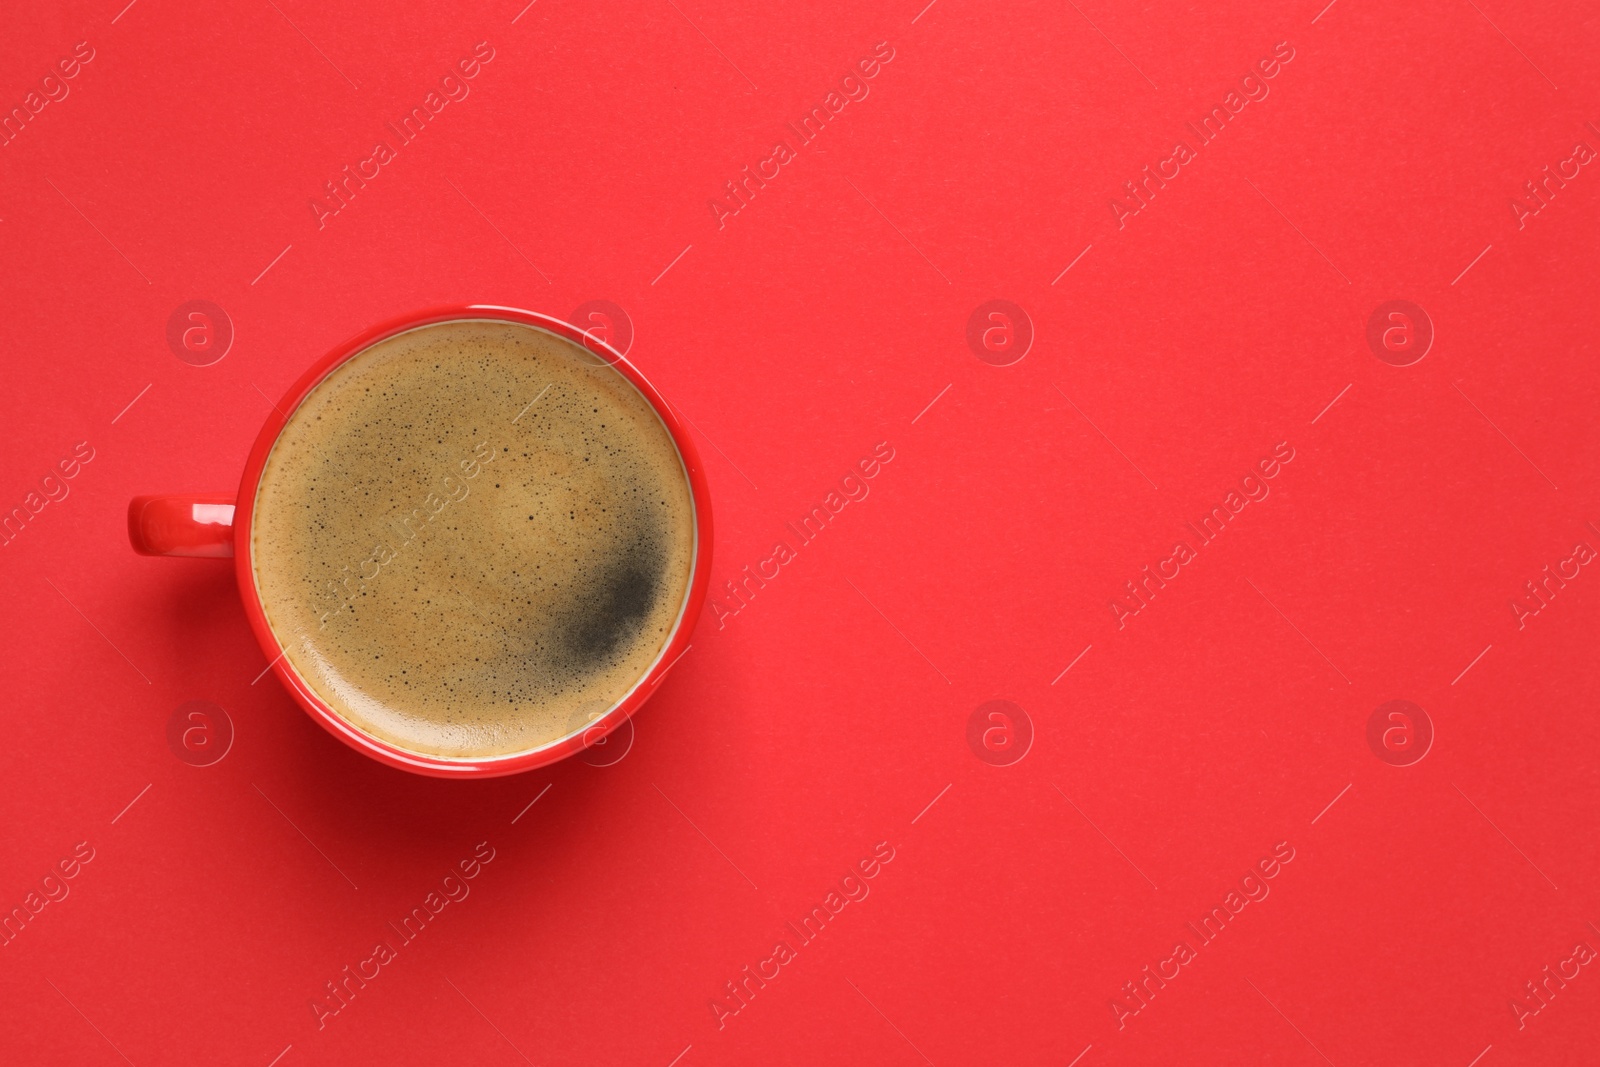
(472,538)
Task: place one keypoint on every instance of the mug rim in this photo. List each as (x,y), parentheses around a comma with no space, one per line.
(454,766)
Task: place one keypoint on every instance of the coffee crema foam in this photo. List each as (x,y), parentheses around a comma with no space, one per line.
(473,538)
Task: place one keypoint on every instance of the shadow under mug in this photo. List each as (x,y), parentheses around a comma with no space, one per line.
(218,526)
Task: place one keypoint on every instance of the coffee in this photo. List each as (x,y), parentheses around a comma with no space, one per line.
(473,538)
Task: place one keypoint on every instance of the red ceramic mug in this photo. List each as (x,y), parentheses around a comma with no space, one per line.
(218,526)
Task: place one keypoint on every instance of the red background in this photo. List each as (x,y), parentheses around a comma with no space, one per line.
(825,716)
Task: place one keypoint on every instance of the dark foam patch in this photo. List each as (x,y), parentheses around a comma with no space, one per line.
(612,605)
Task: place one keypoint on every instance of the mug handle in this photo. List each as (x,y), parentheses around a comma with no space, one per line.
(182,524)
